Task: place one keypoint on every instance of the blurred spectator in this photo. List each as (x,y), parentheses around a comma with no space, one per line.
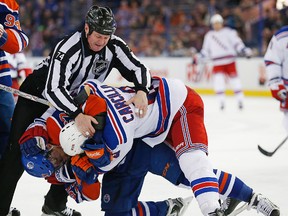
(153,27)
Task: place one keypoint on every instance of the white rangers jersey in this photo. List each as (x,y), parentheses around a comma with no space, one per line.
(17,63)
(122,125)
(276,60)
(222,46)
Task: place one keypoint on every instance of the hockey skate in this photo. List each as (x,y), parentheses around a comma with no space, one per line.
(240,106)
(217,212)
(178,206)
(66,212)
(258,202)
(13,212)
(263,205)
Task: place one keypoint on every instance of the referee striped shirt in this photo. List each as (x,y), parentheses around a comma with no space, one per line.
(71,62)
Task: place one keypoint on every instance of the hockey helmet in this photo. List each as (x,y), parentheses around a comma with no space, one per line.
(101,20)
(38,165)
(216,18)
(71,139)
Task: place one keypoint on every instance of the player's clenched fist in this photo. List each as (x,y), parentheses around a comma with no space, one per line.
(83,169)
(97,153)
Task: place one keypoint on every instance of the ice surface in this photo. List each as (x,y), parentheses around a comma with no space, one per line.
(233,139)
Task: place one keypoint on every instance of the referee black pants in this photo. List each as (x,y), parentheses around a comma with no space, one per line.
(11,168)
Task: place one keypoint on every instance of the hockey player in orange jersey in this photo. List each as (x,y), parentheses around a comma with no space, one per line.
(12,40)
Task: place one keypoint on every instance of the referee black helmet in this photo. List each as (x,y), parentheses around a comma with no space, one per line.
(101,20)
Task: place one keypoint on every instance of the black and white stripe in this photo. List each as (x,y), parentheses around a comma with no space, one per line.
(71,63)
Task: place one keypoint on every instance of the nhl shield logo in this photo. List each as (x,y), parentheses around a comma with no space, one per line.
(99,67)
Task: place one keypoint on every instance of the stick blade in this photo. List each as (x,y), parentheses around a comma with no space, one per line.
(263,151)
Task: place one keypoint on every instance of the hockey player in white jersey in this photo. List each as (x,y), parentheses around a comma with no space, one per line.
(175,115)
(276,62)
(19,68)
(221,46)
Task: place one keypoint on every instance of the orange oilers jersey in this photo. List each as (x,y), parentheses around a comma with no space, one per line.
(13,41)
(16,38)
(59,119)
(64,175)
(54,124)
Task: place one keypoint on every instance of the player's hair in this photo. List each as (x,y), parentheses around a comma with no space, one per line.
(101,20)
(38,165)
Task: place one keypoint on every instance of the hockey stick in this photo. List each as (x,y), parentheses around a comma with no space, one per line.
(269,154)
(25,95)
(79,99)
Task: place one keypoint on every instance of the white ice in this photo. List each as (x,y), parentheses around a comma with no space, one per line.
(233,139)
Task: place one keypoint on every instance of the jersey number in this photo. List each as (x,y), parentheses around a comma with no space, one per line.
(11,22)
(59,56)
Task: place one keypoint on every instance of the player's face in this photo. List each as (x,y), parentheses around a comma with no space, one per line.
(217,26)
(56,155)
(96,40)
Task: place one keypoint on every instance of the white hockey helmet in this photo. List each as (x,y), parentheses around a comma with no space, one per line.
(216,18)
(71,139)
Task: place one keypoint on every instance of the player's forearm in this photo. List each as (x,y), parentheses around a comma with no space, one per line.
(13,41)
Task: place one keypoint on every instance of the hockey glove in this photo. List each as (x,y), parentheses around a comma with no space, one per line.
(83,169)
(279,92)
(95,148)
(34,138)
(98,154)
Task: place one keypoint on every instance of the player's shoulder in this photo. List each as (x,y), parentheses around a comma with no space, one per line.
(8,5)
(60,117)
(228,30)
(54,124)
(209,33)
(224,30)
(282,33)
